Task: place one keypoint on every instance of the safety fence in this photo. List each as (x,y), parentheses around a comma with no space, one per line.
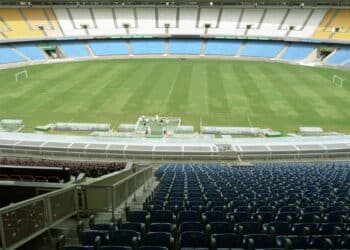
(23,221)
(107,198)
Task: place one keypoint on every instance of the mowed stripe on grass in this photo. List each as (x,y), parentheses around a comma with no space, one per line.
(218,92)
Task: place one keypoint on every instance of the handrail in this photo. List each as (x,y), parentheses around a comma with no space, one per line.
(30,218)
(34,199)
(107,198)
(54,207)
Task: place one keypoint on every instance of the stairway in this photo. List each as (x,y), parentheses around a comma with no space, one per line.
(71,18)
(239,51)
(20,53)
(88,48)
(198,17)
(128,44)
(204,47)
(335,13)
(262,19)
(281,53)
(240,19)
(219,18)
(284,19)
(307,19)
(93,18)
(166,47)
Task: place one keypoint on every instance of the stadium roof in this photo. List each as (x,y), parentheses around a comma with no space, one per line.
(180,2)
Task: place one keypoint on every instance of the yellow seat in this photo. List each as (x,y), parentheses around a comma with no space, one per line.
(18,28)
(342,36)
(341,21)
(45,18)
(322,34)
(320,31)
(334,18)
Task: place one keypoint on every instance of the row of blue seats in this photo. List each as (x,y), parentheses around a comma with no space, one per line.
(129,240)
(9,55)
(188,46)
(176,46)
(269,205)
(137,221)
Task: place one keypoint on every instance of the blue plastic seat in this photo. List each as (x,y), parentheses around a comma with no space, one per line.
(331,228)
(88,237)
(226,240)
(325,241)
(266,209)
(335,216)
(277,228)
(158,239)
(193,240)
(137,216)
(161,227)
(124,238)
(135,226)
(239,216)
(305,228)
(289,208)
(162,216)
(310,217)
(345,242)
(218,228)
(293,241)
(245,209)
(254,241)
(191,226)
(287,216)
(185,216)
(248,227)
(152,248)
(313,209)
(213,216)
(263,217)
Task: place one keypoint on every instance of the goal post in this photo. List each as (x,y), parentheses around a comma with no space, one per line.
(337,80)
(21,75)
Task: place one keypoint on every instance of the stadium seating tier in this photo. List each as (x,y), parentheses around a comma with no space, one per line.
(278,197)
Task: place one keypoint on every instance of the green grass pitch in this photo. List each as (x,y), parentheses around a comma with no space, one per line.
(218,92)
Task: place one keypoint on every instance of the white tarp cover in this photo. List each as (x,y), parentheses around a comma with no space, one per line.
(185,129)
(127,127)
(10,122)
(81,126)
(310,130)
(231,130)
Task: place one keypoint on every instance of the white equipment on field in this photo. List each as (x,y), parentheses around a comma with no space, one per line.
(337,80)
(21,75)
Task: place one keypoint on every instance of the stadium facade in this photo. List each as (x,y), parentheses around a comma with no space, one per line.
(297,32)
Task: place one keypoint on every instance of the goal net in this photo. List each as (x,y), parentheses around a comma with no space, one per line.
(337,80)
(21,75)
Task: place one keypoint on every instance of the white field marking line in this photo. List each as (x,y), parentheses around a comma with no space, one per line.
(171,88)
(250,122)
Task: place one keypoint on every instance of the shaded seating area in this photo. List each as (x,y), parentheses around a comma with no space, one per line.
(45,166)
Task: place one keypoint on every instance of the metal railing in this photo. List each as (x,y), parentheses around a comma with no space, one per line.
(107,198)
(25,220)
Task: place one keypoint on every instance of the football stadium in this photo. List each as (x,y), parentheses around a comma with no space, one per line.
(174,125)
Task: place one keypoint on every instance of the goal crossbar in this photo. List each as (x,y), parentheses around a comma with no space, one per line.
(23,73)
(337,80)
